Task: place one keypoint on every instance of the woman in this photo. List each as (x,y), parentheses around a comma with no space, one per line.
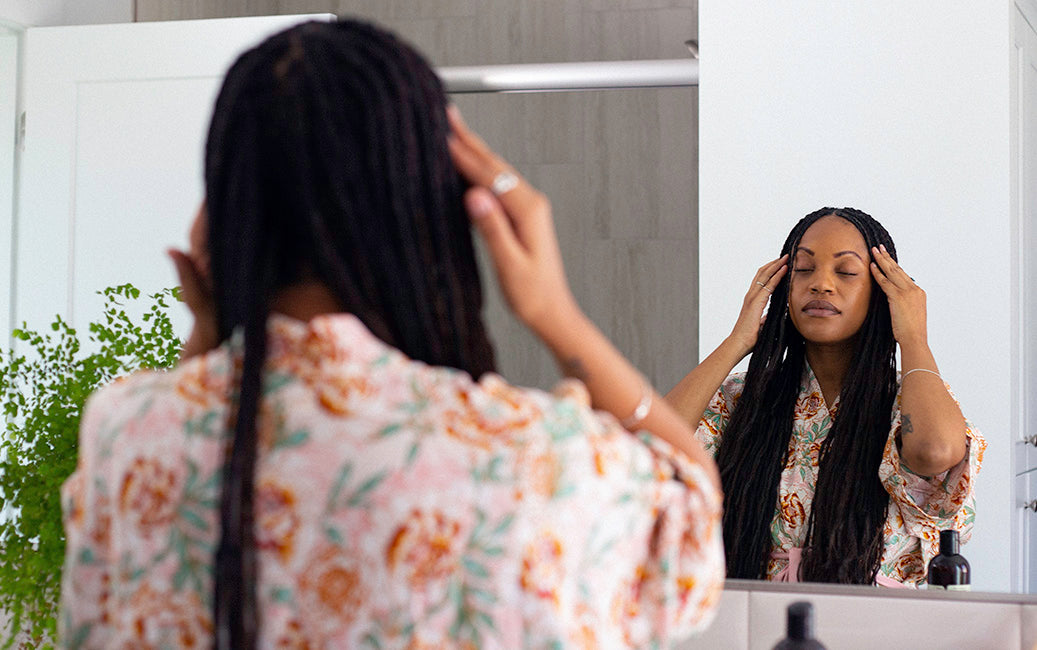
(834,467)
(372,493)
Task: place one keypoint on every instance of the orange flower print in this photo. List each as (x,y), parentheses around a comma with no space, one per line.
(331,591)
(338,394)
(625,604)
(481,426)
(792,511)
(909,567)
(538,475)
(168,620)
(426,548)
(73,498)
(584,633)
(542,567)
(294,638)
(321,346)
(809,406)
(101,531)
(200,384)
(276,519)
(149,494)
(607,452)
(815,453)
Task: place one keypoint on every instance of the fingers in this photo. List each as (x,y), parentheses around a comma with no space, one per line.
(493,226)
(889,268)
(880,278)
(523,204)
(769,275)
(193,287)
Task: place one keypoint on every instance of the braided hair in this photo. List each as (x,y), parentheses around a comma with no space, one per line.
(327,160)
(844,540)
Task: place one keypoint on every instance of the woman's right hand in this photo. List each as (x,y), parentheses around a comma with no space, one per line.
(192,269)
(518,229)
(750,319)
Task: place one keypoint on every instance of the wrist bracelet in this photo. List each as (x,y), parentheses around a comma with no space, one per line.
(642,409)
(931,372)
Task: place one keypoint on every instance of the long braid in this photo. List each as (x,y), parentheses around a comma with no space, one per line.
(327,161)
(844,540)
(841,548)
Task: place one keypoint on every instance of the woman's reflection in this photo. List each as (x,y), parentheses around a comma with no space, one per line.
(835,467)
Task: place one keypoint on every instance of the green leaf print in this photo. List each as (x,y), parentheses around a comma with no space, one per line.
(282,595)
(357,500)
(504,524)
(473,567)
(291,440)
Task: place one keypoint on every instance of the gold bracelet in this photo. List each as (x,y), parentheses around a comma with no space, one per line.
(642,409)
(931,372)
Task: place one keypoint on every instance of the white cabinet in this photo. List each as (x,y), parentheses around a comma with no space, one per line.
(1024,212)
(111,164)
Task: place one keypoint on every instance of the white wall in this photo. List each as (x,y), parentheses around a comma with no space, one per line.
(8,111)
(901,110)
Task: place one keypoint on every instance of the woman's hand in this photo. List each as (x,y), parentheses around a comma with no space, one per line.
(192,269)
(906,299)
(519,232)
(933,435)
(747,327)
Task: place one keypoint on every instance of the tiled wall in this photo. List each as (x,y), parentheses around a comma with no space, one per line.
(620,166)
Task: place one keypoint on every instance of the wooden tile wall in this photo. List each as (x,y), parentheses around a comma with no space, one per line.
(620,166)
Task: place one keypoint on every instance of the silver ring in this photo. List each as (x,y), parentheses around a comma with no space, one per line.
(504,182)
(765,287)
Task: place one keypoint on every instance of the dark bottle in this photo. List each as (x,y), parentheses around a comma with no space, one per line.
(799,634)
(949,570)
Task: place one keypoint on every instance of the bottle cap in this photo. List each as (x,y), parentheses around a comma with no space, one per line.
(948,542)
(800,621)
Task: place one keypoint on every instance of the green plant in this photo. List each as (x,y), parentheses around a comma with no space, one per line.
(43,392)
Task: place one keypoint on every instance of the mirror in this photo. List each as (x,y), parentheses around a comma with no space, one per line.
(621,167)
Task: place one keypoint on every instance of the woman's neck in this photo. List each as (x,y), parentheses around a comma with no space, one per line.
(830,364)
(305,300)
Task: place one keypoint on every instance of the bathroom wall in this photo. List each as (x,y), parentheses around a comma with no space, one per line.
(620,166)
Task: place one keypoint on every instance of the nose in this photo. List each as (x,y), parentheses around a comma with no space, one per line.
(821,282)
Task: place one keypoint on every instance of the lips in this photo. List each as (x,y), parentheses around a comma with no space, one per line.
(820,308)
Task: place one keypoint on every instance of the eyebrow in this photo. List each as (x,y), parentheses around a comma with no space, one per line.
(806,250)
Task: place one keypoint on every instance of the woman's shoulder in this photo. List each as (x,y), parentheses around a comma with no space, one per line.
(731,389)
(734,382)
(144,399)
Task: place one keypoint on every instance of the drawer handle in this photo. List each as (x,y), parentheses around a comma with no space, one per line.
(1031,505)
(1032,440)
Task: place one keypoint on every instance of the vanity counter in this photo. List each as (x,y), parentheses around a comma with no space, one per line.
(752,616)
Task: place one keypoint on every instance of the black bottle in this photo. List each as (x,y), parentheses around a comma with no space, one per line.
(949,570)
(799,634)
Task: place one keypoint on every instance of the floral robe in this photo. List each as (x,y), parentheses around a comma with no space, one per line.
(919,507)
(397,505)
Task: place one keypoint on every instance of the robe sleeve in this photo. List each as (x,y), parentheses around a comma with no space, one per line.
(931,504)
(718,413)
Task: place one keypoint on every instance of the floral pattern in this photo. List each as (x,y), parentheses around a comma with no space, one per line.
(919,507)
(397,505)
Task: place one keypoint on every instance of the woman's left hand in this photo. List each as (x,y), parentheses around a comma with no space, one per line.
(906,299)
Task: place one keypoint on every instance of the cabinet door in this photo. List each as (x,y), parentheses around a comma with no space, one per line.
(1024,199)
(1025,543)
(111,171)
